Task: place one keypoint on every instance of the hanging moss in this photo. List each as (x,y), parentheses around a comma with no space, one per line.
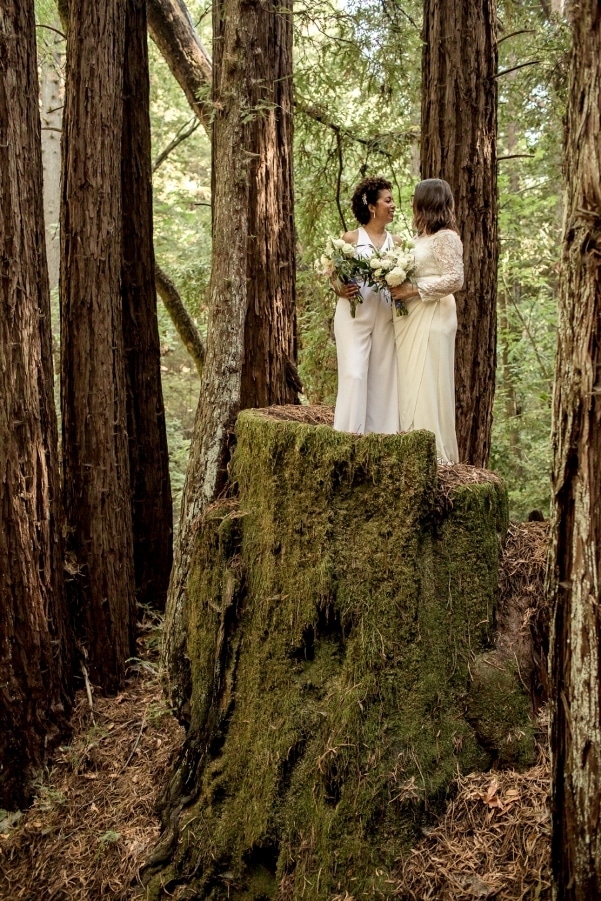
(333,621)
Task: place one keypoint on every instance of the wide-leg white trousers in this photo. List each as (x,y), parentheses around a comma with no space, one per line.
(367,399)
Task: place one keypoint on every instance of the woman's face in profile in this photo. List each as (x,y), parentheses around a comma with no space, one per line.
(385,206)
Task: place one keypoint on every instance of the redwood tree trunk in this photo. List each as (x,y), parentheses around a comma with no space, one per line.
(93,391)
(459,129)
(576,518)
(152,510)
(34,637)
(269,373)
(248,357)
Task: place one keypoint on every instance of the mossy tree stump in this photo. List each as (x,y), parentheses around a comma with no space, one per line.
(334,609)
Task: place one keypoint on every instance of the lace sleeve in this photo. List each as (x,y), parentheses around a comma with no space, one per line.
(448,249)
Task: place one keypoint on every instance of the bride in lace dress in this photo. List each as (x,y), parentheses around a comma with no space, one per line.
(425,338)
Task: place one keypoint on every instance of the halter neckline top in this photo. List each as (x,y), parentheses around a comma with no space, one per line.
(388,242)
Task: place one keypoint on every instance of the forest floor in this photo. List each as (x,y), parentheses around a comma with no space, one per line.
(93,822)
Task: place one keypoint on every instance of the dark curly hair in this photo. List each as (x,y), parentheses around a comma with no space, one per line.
(366,192)
(433,206)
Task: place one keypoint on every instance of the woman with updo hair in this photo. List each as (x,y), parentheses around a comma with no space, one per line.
(425,338)
(367,398)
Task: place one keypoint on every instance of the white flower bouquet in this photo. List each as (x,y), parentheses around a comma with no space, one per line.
(392,267)
(338,261)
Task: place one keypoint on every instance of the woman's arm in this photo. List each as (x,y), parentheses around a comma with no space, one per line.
(448,249)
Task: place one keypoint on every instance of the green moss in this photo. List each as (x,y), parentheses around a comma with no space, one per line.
(500,710)
(332,625)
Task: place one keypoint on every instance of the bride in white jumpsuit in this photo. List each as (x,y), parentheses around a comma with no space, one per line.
(367,399)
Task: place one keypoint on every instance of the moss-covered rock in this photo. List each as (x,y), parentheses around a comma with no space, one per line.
(334,615)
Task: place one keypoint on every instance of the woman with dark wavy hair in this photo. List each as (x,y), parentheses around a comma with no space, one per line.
(367,371)
(425,338)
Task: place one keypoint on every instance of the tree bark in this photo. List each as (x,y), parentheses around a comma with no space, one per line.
(575,555)
(152,506)
(93,390)
(252,262)
(459,108)
(269,374)
(35,656)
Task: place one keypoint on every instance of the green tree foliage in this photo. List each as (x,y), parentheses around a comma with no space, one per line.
(532,53)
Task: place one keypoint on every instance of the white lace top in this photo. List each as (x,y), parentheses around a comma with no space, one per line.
(439,264)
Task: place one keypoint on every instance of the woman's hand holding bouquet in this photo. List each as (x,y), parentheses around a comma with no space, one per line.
(390,268)
(338,263)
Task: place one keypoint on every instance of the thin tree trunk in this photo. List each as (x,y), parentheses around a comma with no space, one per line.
(35,655)
(93,391)
(51,107)
(507,337)
(459,109)
(575,555)
(508,382)
(152,506)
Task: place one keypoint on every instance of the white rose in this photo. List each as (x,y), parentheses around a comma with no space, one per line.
(327,265)
(338,243)
(396,277)
(387,264)
(348,250)
(375,263)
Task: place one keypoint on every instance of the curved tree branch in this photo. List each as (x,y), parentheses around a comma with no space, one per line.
(181,136)
(180,317)
(173,31)
(339,178)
